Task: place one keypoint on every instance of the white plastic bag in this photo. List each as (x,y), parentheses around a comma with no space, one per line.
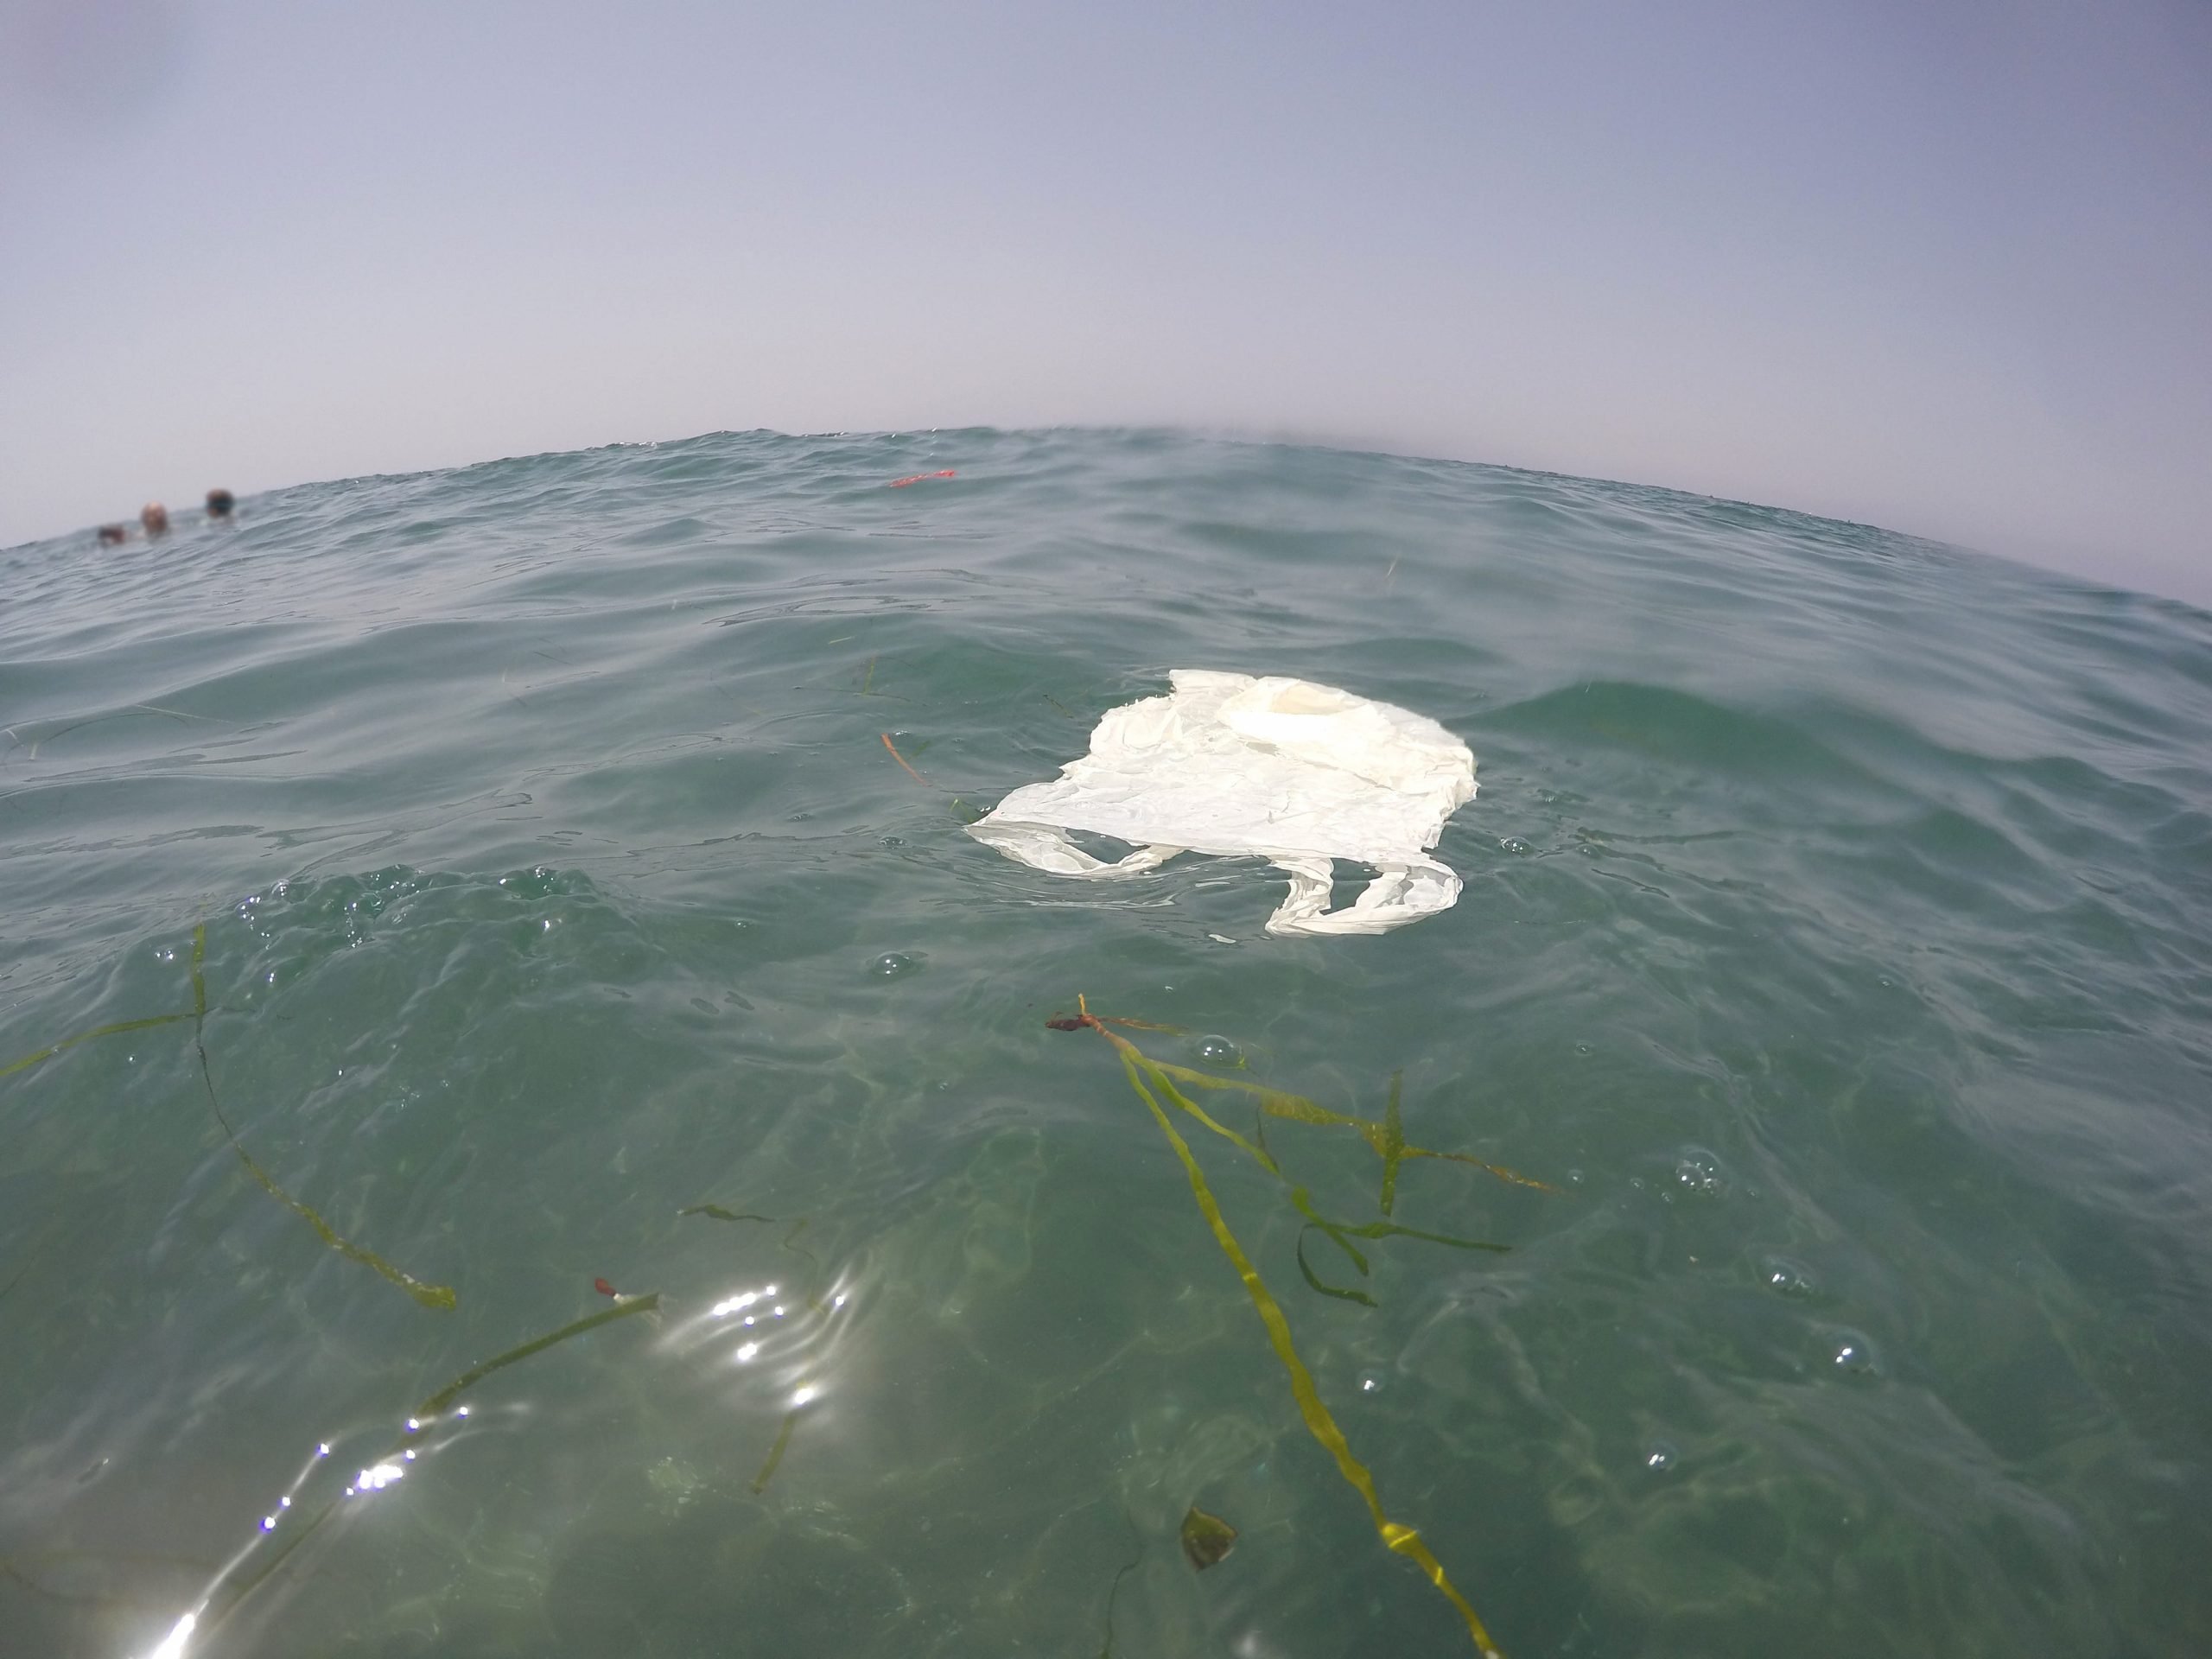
(1280,769)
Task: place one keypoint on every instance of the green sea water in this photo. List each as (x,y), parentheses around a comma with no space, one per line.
(1836,940)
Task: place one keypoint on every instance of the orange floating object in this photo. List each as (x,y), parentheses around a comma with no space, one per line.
(901,483)
(604,1288)
(903,766)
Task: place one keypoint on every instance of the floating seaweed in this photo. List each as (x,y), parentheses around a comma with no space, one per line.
(776,1451)
(1153,1080)
(1387,1137)
(1077,1021)
(903,766)
(625,1307)
(790,1241)
(1128,1567)
(1206,1538)
(1341,1235)
(1297,1108)
(47,1053)
(428,1295)
(422,1417)
(1393,1143)
(31,748)
(716,1212)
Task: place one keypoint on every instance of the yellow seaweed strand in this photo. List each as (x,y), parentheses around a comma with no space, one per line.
(428,1295)
(29,1060)
(775,1454)
(1393,1143)
(1402,1539)
(1297,1108)
(1136,1058)
(628,1307)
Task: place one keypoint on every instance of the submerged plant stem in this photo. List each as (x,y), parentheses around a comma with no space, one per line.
(148,1024)
(776,1451)
(1128,1567)
(428,1295)
(1393,1143)
(1297,1108)
(717,1212)
(1402,1539)
(627,1307)
(1323,1427)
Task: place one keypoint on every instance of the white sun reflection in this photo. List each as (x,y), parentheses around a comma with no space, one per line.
(173,1644)
(794,1343)
(376,1478)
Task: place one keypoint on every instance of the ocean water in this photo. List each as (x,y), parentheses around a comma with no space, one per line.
(1836,943)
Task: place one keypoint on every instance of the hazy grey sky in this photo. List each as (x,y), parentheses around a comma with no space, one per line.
(1945,265)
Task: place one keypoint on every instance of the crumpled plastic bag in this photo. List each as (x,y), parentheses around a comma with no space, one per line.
(1238,766)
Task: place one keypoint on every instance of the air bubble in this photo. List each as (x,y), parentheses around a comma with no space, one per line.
(1698,1171)
(1219,1051)
(1787,1277)
(896,964)
(1660,1456)
(1851,1354)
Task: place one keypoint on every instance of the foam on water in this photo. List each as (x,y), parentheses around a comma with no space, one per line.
(1837,938)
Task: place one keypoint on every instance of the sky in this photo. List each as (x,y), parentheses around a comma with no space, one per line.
(1941,266)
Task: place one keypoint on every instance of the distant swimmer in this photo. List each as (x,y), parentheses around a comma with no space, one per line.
(221,505)
(156,518)
(113,535)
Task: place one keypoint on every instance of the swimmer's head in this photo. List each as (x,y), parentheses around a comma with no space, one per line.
(220,504)
(112,535)
(156,518)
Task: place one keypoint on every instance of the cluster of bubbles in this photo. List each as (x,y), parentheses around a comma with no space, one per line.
(1699,1175)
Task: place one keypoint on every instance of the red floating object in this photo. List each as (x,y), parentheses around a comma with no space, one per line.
(901,483)
(604,1288)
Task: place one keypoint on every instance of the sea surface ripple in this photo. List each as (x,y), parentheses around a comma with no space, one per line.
(1837,939)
